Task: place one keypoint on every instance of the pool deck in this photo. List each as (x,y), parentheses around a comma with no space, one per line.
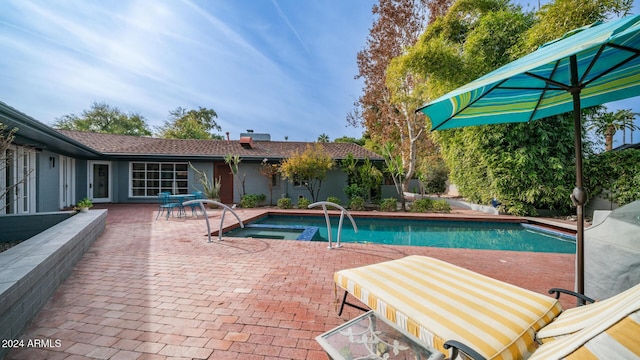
(156,289)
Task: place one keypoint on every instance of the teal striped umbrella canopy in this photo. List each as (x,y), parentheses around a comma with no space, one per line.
(588,66)
(540,85)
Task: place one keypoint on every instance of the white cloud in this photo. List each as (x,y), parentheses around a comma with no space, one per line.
(260,66)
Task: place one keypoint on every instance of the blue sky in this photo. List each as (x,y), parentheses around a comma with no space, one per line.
(285,67)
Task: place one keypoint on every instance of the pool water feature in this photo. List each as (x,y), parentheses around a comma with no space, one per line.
(432,233)
(278,232)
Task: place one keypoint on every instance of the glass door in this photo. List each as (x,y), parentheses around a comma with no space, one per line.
(67,181)
(99,181)
(18,181)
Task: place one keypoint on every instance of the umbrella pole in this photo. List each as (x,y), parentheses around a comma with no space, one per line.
(579,195)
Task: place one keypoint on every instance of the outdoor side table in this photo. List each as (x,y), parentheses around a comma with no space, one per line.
(369,336)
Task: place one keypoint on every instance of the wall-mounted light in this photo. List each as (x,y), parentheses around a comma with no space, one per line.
(52,161)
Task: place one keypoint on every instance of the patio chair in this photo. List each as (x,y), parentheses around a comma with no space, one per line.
(166,205)
(449,307)
(194,207)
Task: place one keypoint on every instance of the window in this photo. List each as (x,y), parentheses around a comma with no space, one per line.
(18,180)
(149,178)
(298,182)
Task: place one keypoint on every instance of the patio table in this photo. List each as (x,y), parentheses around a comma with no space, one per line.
(370,336)
(180,198)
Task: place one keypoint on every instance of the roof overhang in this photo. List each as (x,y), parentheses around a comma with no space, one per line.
(35,134)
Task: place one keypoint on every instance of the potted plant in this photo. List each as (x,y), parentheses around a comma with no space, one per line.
(211,189)
(85,204)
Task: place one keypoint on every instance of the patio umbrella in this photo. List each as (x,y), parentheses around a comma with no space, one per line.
(588,66)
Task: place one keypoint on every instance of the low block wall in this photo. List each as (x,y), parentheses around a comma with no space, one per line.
(31,271)
(19,227)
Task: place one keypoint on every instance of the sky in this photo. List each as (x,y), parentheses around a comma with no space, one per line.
(283,67)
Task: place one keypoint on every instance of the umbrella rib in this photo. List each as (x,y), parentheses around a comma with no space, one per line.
(549,81)
(635,52)
(544,90)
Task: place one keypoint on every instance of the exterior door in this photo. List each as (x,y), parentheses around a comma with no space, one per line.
(99,181)
(222,171)
(67,181)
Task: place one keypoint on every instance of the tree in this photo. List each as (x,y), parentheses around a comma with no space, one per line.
(561,16)
(608,123)
(348,139)
(395,170)
(104,118)
(269,171)
(526,166)
(615,175)
(362,177)
(323,138)
(190,124)
(309,168)
(397,27)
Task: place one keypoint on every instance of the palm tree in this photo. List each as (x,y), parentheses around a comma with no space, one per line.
(608,123)
(323,138)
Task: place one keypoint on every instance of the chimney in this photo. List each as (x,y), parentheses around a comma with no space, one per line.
(246,142)
(228,140)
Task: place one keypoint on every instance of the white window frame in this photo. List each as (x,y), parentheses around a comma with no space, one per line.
(150,190)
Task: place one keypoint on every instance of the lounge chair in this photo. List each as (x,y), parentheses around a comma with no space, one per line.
(450,307)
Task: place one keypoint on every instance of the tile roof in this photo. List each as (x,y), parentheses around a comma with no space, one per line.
(111,144)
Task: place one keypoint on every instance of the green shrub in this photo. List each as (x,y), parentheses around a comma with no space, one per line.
(334,199)
(441,206)
(252,200)
(354,190)
(428,205)
(422,205)
(303,203)
(434,181)
(284,203)
(357,203)
(389,204)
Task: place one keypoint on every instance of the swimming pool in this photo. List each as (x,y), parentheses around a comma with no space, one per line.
(434,233)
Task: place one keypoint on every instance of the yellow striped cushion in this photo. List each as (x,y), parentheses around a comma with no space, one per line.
(612,338)
(578,318)
(437,301)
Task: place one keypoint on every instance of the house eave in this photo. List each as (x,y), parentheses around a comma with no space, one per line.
(34,133)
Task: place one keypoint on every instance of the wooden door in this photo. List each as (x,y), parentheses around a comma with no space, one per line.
(221,170)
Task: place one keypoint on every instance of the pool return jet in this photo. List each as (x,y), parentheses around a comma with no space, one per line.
(343,211)
(224,211)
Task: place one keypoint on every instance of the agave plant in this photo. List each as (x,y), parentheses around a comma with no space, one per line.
(211,189)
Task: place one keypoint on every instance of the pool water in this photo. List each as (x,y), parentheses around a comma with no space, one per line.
(434,233)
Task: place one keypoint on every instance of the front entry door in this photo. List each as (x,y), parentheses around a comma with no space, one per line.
(99,181)
(222,171)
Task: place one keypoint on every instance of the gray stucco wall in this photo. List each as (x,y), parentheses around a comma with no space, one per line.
(254,182)
(333,185)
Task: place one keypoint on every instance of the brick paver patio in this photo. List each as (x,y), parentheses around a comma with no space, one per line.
(151,289)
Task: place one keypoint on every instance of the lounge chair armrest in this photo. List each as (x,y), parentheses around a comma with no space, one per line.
(458,346)
(559,291)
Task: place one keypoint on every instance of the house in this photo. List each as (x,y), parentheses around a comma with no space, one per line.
(60,167)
